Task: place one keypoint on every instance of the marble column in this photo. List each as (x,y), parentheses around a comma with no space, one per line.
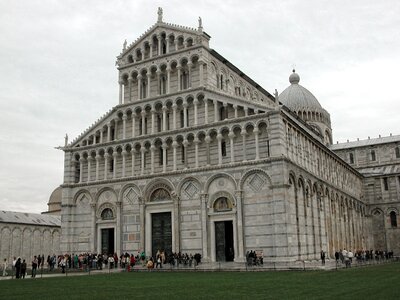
(189,65)
(98,158)
(133,124)
(174,146)
(89,159)
(143,122)
(139,78)
(235,107)
(152,148)
(164,118)
(153,113)
(133,154)
(201,71)
(208,140)
(118,229)
(130,81)
(168,79)
(120,91)
(231,137)
(185,144)
(179,78)
(106,156)
(109,132)
(204,225)
(219,139)
(164,147)
(124,117)
(240,234)
(196,142)
(205,111)
(256,132)
(142,150)
(115,155)
(185,106)
(225,116)
(215,111)
(195,103)
(81,160)
(148,84)
(243,134)
(174,106)
(124,153)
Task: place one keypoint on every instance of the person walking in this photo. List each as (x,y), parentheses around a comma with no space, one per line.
(18,268)
(23,269)
(5,267)
(34,266)
(323,257)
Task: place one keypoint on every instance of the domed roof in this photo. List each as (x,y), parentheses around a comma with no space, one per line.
(297,97)
(55,196)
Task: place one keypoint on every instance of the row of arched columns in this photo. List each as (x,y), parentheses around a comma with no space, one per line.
(325,218)
(160,78)
(166,115)
(160,43)
(305,152)
(216,146)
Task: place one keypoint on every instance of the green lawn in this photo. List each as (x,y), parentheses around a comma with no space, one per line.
(376,282)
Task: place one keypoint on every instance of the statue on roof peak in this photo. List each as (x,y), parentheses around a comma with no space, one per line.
(160,15)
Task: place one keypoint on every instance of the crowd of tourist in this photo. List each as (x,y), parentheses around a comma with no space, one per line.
(93,261)
(254,258)
(347,257)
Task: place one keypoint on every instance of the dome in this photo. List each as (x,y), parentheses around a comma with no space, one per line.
(54,203)
(297,97)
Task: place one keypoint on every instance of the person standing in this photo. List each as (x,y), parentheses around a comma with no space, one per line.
(323,257)
(18,268)
(34,266)
(5,267)
(23,269)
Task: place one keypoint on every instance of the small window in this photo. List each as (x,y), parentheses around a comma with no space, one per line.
(373,155)
(351,158)
(159,123)
(111,165)
(183,153)
(397,150)
(393,219)
(385,184)
(107,214)
(221,83)
(223,148)
(182,116)
(160,156)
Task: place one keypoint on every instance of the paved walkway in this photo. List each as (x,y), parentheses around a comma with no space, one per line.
(214,267)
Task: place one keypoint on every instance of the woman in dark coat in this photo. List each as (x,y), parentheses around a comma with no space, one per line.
(18,268)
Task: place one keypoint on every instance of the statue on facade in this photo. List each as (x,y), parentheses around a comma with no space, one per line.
(66,140)
(276,95)
(200,23)
(124,46)
(160,14)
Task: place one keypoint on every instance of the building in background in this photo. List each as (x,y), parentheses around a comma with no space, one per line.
(378,160)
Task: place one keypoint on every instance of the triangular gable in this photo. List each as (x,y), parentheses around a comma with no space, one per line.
(103,120)
(158,27)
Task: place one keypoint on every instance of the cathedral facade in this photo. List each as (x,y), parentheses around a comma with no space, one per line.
(198,158)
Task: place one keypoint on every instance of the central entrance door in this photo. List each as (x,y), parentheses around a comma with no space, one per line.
(107,241)
(161,233)
(224,241)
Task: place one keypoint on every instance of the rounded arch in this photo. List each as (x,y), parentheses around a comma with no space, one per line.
(219,175)
(183,184)
(221,194)
(157,183)
(251,172)
(106,207)
(80,194)
(103,191)
(126,188)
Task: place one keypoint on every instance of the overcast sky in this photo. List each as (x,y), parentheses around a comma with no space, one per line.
(58,74)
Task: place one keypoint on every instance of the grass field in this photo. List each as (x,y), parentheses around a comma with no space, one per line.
(375,282)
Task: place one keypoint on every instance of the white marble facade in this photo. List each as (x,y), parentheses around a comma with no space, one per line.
(197,141)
